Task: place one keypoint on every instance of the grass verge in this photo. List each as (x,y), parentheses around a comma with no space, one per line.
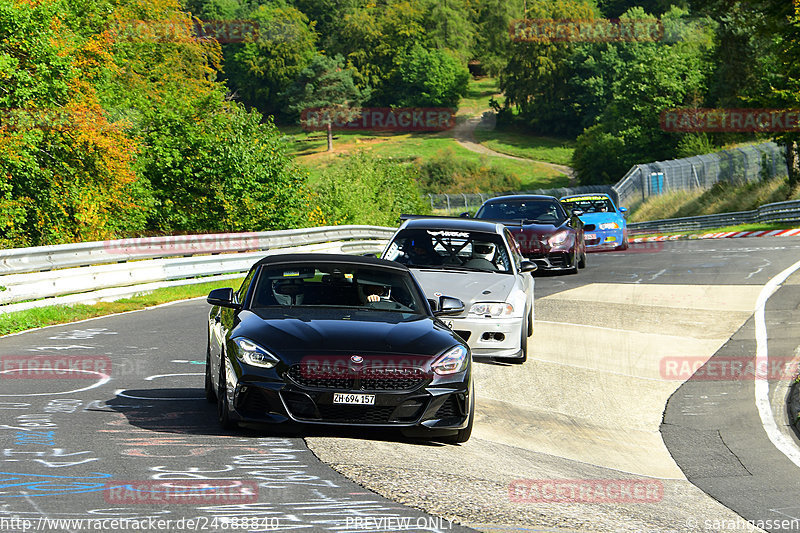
(723,197)
(62,314)
(517,143)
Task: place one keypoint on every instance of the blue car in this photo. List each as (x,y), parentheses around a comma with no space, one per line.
(604,223)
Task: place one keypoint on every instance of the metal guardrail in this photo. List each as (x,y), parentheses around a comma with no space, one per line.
(776,213)
(18,260)
(61,274)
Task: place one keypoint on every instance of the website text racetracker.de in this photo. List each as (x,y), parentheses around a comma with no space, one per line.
(200,523)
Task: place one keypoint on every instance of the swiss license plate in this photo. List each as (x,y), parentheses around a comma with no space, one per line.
(590,236)
(354,399)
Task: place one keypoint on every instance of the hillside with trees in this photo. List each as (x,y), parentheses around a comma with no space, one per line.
(132,117)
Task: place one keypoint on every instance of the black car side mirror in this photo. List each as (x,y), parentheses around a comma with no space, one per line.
(528,266)
(223,298)
(434,304)
(449,306)
(465,214)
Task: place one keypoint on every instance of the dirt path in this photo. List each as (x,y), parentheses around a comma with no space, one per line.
(464,134)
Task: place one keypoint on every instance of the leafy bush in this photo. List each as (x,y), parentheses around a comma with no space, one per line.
(224,172)
(364,189)
(445,172)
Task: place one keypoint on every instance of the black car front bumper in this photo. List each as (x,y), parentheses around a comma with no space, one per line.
(443,402)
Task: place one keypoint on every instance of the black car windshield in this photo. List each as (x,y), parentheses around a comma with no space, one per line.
(459,250)
(540,211)
(337,285)
(589,204)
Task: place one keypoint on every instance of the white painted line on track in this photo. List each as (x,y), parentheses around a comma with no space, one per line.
(778,439)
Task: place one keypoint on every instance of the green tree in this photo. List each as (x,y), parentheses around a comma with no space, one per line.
(261,69)
(429,78)
(536,77)
(325,92)
(657,76)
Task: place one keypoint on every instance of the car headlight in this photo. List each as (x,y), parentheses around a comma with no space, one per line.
(251,353)
(452,361)
(492,309)
(558,238)
(609,225)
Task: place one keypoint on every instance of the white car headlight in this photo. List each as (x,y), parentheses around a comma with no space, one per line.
(558,238)
(452,361)
(491,309)
(609,225)
(253,354)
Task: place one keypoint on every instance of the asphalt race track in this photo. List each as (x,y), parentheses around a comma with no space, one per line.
(624,418)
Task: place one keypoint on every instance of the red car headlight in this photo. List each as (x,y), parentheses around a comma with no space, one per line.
(558,238)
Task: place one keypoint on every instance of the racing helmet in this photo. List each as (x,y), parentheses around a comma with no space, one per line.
(483,250)
(288,291)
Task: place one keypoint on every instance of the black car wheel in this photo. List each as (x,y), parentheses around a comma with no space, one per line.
(211,396)
(223,409)
(582,262)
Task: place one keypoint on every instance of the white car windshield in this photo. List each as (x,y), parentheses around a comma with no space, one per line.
(428,248)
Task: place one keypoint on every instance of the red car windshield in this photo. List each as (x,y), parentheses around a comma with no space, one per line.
(538,211)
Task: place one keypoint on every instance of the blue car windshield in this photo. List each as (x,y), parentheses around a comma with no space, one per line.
(593,204)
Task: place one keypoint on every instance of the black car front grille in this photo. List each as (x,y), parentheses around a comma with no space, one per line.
(356,414)
(377,379)
(300,377)
(366,379)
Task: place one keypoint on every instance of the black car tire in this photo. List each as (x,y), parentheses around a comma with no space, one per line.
(530,324)
(523,344)
(582,261)
(223,409)
(574,268)
(211,396)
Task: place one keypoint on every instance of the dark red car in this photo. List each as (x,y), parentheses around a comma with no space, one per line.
(546,233)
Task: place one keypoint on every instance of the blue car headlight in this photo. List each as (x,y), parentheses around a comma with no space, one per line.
(452,361)
(609,225)
(251,353)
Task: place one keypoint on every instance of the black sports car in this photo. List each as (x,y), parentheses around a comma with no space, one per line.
(338,339)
